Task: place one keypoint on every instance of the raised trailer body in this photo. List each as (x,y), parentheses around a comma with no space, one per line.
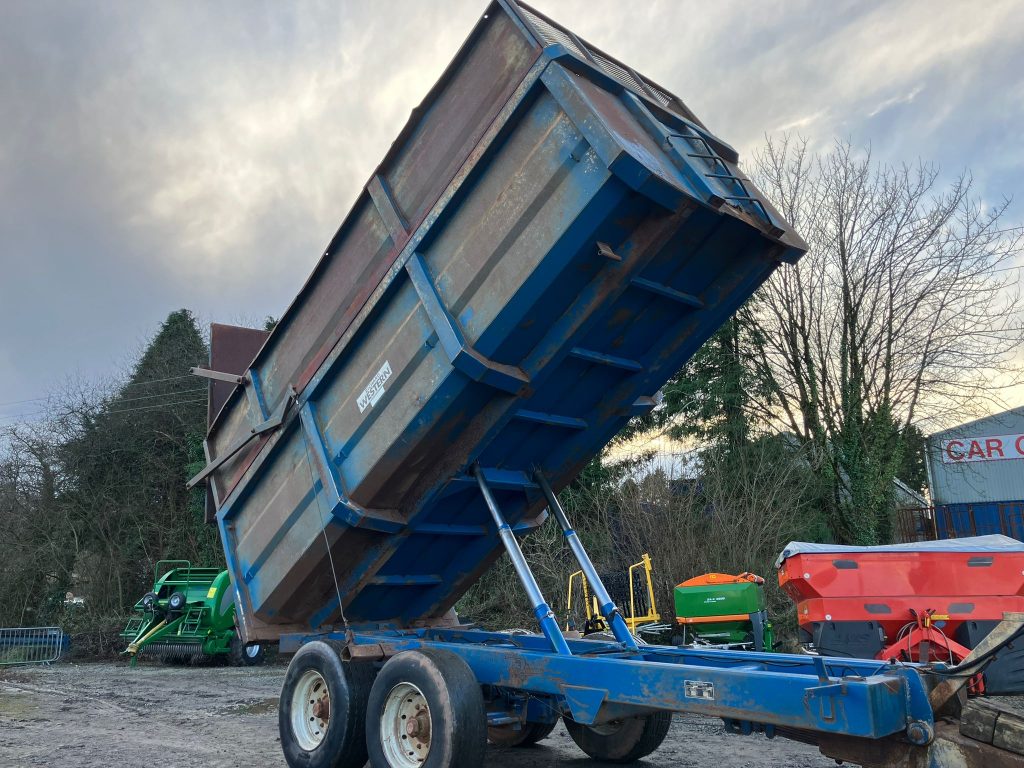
(547,242)
(578,246)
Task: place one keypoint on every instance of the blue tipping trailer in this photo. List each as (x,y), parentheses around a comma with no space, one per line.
(550,238)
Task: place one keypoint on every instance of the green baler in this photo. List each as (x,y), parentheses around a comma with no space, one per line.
(724,610)
(189,616)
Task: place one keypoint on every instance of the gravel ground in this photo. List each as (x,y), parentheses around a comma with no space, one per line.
(108,715)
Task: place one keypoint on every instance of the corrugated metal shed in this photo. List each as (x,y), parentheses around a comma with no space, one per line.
(976,462)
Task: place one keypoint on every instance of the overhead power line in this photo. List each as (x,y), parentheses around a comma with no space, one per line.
(119,400)
(121,389)
(14,418)
(158,405)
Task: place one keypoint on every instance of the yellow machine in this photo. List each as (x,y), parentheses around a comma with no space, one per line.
(643,613)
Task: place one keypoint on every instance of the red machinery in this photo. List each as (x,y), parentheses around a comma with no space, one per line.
(926,601)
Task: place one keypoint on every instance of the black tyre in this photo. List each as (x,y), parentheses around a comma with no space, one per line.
(243,654)
(175,603)
(426,710)
(149,601)
(322,713)
(525,736)
(621,741)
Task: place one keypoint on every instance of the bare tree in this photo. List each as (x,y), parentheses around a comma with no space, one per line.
(904,310)
(38,545)
(734,511)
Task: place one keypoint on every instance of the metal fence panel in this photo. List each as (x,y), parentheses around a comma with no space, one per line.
(31,645)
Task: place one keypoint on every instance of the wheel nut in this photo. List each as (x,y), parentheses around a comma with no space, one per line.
(322,708)
(417,726)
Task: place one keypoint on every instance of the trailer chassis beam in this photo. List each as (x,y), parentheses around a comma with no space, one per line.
(598,682)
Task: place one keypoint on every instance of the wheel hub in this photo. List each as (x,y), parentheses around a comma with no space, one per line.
(322,707)
(419,726)
(311,710)
(405,727)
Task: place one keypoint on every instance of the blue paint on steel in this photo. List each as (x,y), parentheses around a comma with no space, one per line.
(254,390)
(445,529)
(325,467)
(278,535)
(667,292)
(979,519)
(345,450)
(545,616)
(595,679)
(326,611)
(657,128)
(406,580)
(505,479)
(606,142)
(447,331)
(338,503)
(603,359)
(584,703)
(551,419)
(604,601)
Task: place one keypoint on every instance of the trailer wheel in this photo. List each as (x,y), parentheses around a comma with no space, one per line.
(322,711)
(426,709)
(526,736)
(621,741)
(246,655)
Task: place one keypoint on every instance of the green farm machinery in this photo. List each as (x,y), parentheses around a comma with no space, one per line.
(724,611)
(189,616)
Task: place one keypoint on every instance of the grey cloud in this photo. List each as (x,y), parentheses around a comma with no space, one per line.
(158,155)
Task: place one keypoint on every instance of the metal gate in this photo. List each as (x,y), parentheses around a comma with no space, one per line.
(31,645)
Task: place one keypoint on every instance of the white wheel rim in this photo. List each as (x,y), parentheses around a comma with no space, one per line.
(607,729)
(311,702)
(252,651)
(405,727)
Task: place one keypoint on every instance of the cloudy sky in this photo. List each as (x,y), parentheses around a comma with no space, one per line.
(158,155)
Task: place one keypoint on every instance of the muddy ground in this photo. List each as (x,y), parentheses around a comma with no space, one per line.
(107,715)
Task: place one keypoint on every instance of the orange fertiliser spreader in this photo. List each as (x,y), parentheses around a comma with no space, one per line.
(923,601)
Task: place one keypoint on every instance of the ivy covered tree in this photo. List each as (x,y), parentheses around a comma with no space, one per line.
(715,396)
(127,464)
